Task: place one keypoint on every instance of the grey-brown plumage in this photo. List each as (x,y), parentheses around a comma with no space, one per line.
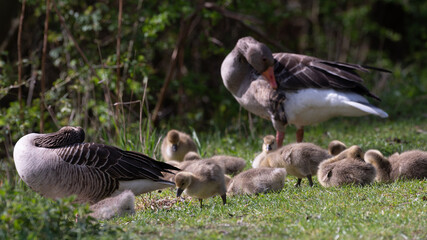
(346,168)
(60,164)
(273,86)
(191,156)
(202,179)
(257,180)
(335,147)
(231,165)
(299,159)
(115,206)
(176,144)
(407,165)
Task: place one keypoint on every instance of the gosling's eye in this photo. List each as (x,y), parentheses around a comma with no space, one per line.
(264,59)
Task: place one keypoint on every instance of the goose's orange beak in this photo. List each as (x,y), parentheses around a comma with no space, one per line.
(269,75)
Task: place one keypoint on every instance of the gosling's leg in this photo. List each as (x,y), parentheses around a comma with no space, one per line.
(310,181)
(224,199)
(201,202)
(298,182)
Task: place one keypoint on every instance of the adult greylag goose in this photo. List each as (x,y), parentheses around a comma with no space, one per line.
(176,144)
(60,164)
(294,89)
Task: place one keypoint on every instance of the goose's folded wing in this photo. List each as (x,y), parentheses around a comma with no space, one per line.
(294,72)
(119,164)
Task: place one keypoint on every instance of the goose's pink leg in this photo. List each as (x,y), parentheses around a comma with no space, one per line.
(279,138)
(300,134)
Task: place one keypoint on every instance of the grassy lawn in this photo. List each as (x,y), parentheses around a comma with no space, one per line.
(379,211)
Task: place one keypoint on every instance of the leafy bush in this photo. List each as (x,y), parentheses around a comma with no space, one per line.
(26,215)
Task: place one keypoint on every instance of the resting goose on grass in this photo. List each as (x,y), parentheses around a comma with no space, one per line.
(60,164)
(294,89)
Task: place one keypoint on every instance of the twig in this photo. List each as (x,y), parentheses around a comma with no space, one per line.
(242,19)
(43,77)
(10,34)
(184,32)
(119,29)
(21,20)
(132,40)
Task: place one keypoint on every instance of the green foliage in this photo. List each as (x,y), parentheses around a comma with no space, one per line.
(26,215)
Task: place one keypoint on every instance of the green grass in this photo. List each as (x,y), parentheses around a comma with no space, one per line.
(379,211)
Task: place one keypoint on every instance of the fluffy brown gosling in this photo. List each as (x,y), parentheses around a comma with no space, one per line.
(408,165)
(299,159)
(258,180)
(119,205)
(348,167)
(202,179)
(176,144)
(268,145)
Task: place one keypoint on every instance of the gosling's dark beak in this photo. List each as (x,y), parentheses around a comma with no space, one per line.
(179,192)
(269,147)
(174,147)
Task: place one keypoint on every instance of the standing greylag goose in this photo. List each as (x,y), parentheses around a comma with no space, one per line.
(60,164)
(294,89)
(269,144)
(176,144)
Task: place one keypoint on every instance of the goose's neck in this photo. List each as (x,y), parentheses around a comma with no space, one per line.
(235,70)
(63,137)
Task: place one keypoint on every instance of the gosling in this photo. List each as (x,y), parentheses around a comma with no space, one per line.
(335,147)
(231,165)
(176,144)
(191,156)
(299,159)
(119,205)
(257,180)
(408,165)
(348,167)
(202,179)
(269,144)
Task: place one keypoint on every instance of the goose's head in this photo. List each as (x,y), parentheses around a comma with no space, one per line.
(259,56)
(269,143)
(173,139)
(182,181)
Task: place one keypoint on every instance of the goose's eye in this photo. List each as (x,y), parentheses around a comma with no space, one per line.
(264,59)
